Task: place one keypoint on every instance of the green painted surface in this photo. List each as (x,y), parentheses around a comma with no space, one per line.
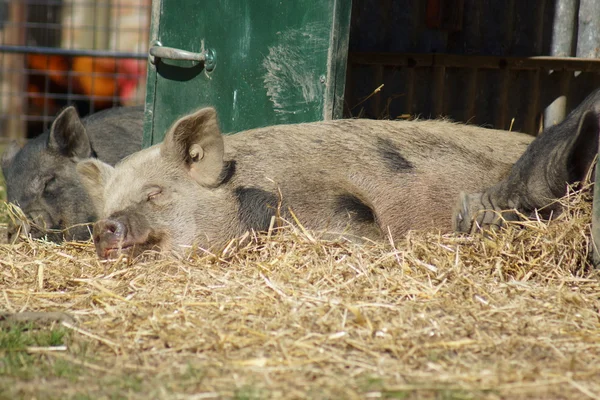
(276,62)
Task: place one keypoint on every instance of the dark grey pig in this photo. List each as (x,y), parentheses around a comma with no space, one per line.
(41,177)
(352,178)
(560,156)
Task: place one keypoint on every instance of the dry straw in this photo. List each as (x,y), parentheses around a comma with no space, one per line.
(509,315)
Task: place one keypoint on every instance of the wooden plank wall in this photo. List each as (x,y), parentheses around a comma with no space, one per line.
(473,69)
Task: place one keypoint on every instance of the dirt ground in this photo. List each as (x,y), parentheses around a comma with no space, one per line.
(511,315)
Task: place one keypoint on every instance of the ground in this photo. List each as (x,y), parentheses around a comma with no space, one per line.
(510,315)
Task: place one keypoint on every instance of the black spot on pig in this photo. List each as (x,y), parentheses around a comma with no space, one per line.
(228,172)
(255,207)
(392,157)
(354,207)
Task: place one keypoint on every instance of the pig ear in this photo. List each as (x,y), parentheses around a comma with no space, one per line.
(195,142)
(68,136)
(9,154)
(583,149)
(94,175)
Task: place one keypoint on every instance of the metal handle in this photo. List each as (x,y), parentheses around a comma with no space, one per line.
(176,54)
(157,51)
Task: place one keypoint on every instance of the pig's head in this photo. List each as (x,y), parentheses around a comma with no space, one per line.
(155,198)
(561,156)
(42,180)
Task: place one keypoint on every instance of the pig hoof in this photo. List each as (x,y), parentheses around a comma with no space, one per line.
(461,222)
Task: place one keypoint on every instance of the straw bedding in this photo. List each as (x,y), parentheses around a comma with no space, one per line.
(510,315)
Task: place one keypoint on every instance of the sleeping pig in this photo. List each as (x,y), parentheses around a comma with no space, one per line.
(41,177)
(346,178)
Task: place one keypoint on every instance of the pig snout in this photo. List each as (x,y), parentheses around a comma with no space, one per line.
(110,237)
(114,229)
(123,234)
(35,224)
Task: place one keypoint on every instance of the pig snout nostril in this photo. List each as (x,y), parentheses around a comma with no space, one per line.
(114,228)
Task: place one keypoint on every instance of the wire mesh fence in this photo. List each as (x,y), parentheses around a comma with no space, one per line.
(54,53)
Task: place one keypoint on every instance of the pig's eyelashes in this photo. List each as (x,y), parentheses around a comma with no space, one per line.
(154,194)
(48,185)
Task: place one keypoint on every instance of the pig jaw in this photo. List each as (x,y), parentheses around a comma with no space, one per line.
(126,235)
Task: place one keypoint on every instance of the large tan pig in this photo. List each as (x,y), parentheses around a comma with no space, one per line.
(355,178)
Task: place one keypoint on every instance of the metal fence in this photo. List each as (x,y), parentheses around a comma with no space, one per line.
(470,60)
(53,53)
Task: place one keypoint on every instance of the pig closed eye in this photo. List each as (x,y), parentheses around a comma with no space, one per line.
(154,195)
(49,184)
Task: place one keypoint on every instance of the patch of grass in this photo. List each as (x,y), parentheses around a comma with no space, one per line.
(377,389)
(65,369)
(193,375)
(371,383)
(20,356)
(397,394)
(442,393)
(80,396)
(18,336)
(455,394)
(249,393)
(128,384)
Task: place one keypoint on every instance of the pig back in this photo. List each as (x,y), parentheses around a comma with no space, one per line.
(115,133)
(408,172)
